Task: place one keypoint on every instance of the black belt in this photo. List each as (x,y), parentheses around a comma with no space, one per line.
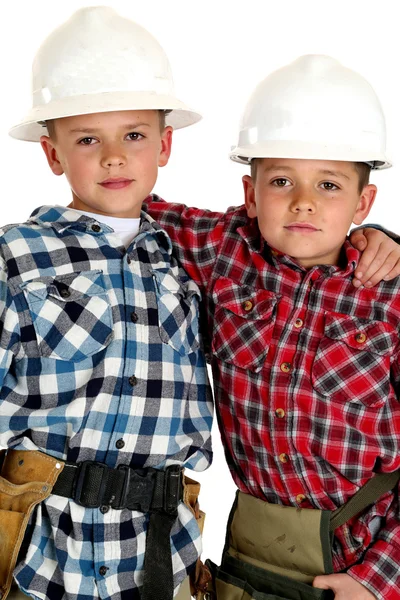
(92,484)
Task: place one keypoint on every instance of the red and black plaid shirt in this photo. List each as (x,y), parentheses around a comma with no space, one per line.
(306,378)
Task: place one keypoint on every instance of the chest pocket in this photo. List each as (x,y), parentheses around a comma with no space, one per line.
(352,363)
(71,314)
(178,311)
(243,324)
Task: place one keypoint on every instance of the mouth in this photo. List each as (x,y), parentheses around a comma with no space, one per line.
(299,227)
(115,183)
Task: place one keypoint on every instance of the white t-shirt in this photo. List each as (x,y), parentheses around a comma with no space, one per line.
(126,229)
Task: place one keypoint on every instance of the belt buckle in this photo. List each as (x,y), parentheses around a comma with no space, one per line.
(137,489)
(84,480)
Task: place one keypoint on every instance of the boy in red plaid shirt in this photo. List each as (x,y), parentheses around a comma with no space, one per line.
(306,367)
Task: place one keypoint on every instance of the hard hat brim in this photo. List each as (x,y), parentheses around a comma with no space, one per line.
(310,151)
(31,128)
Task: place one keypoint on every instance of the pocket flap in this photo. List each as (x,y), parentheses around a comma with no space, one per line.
(168,284)
(361,334)
(66,288)
(243,300)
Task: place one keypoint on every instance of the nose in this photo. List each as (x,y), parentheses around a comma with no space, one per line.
(113,156)
(303,201)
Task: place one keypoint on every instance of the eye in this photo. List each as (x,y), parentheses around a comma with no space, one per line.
(329,186)
(281,182)
(134,136)
(87,141)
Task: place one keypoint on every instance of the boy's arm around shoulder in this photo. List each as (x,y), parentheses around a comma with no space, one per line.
(195,234)
(9,342)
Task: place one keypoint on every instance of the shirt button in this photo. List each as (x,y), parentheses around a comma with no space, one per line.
(247,305)
(286,367)
(128,260)
(64,293)
(96,228)
(104,509)
(103,570)
(134,317)
(361,338)
(300,498)
(132,380)
(283,458)
(298,323)
(120,444)
(280,413)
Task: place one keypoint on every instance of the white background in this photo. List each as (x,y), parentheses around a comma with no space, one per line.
(218,51)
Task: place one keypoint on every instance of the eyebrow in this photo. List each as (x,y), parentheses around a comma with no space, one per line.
(334,173)
(321,171)
(129,126)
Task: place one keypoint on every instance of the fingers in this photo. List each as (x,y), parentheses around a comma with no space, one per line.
(358,239)
(379,269)
(370,262)
(321,582)
(391,264)
(395,272)
(380,260)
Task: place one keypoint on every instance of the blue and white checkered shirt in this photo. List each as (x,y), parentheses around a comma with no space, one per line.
(99,360)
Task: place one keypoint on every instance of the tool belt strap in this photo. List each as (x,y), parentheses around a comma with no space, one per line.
(368,494)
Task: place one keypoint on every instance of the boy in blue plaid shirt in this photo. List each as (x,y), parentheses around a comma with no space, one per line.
(101,373)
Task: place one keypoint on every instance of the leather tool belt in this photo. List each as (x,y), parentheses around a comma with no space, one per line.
(29,477)
(273,552)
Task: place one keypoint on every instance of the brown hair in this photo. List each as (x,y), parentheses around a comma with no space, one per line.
(363,171)
(51,124)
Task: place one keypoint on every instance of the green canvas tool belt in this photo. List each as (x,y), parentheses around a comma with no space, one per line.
(29,477)
(273,552)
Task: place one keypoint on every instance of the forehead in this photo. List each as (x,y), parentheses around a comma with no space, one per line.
(307,167)
(109,120)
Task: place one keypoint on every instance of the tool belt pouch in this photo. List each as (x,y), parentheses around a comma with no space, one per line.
(200,576)
(273,553)
(27,478)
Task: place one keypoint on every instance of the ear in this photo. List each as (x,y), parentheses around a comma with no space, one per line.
(166,146)
(365,203)
(249,196)
(51,154)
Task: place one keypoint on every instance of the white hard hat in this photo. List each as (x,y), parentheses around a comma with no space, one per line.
(313,108)
(98,61)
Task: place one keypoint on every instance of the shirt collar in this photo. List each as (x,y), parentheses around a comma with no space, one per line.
(61,218)
(349,258)
(250,232)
